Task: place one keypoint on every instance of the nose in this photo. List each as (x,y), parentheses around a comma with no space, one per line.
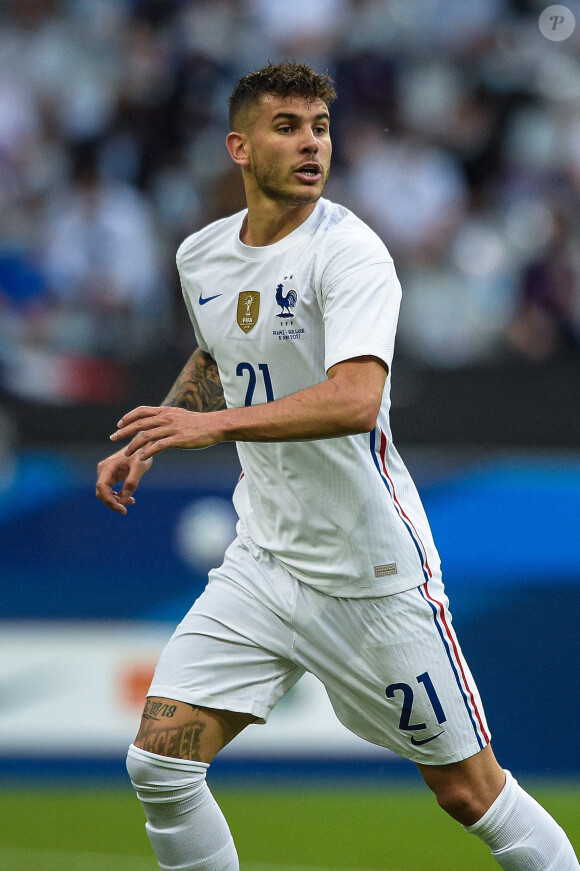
(309,142)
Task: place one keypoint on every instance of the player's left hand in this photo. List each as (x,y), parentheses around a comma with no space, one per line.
(153,429)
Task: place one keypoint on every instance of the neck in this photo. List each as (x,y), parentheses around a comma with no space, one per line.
(265,226)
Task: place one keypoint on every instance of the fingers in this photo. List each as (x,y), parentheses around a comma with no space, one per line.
(140,414)
(117,502)
(140,423)
(113,471)
(152,430)
(145,448)
(136,471)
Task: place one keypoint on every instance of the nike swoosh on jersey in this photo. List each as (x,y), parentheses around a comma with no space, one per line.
(203,301)
(425,740)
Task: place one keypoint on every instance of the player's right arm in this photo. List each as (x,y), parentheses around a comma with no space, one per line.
(196,388)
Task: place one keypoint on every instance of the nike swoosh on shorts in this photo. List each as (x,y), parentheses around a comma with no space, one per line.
(425,740)
(203,301)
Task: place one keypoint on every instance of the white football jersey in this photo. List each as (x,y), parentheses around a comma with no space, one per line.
(341,514)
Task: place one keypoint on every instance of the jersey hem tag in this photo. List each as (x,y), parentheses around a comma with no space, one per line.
(387,569)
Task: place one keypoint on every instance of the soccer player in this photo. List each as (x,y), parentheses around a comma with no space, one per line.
(294,303)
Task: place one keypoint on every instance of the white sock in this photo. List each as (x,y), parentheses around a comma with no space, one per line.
(523,836)
(186,827)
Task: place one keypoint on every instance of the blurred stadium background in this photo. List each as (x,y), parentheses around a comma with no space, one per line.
(457,137)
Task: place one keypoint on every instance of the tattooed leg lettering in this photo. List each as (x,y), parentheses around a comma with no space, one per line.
(178,740)
(185,731)
(181,743)
(155,710)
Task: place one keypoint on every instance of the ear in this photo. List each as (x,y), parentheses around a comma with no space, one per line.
(237,144)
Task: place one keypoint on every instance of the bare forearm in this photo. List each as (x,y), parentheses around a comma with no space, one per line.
(198,386)
(347,403)
(322,411)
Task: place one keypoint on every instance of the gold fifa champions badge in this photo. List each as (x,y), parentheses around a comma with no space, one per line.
(248,309)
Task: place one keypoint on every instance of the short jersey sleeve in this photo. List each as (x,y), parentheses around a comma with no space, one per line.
(360,296)
(186,290)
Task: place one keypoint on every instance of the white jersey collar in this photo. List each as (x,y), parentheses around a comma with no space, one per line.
(251,252)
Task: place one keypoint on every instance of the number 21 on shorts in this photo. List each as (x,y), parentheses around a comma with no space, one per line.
(407,707)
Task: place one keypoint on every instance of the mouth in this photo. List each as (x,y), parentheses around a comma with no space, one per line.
(309,173)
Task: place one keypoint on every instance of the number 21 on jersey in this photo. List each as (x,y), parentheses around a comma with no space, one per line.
(243,368)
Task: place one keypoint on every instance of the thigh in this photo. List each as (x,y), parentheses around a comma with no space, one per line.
(230,652)
(183,731)
(395,674)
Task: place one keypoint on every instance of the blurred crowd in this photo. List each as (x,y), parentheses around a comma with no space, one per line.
(456,136)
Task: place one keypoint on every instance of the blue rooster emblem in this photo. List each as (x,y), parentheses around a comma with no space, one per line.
(286,301)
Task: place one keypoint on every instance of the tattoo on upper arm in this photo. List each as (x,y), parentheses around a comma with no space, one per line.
(198,386)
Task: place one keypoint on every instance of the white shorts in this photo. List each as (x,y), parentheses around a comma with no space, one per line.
(392,666)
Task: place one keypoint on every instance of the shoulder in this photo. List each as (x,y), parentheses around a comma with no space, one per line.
(210,237)
(342,228)
(348,244)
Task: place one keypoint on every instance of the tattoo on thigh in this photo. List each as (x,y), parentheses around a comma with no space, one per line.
(178,741)
(156,710)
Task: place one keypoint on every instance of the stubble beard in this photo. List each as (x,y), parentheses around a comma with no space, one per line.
(271,184)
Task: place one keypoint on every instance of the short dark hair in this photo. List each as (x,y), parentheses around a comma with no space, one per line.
(281,80)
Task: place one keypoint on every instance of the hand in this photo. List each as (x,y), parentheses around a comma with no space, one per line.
(156,428)
(115,469)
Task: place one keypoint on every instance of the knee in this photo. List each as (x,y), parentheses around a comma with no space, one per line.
(166,786)
(465,790)
(144,769)
(461,801)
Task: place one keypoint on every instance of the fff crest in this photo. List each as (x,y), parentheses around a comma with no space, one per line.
(248,309)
